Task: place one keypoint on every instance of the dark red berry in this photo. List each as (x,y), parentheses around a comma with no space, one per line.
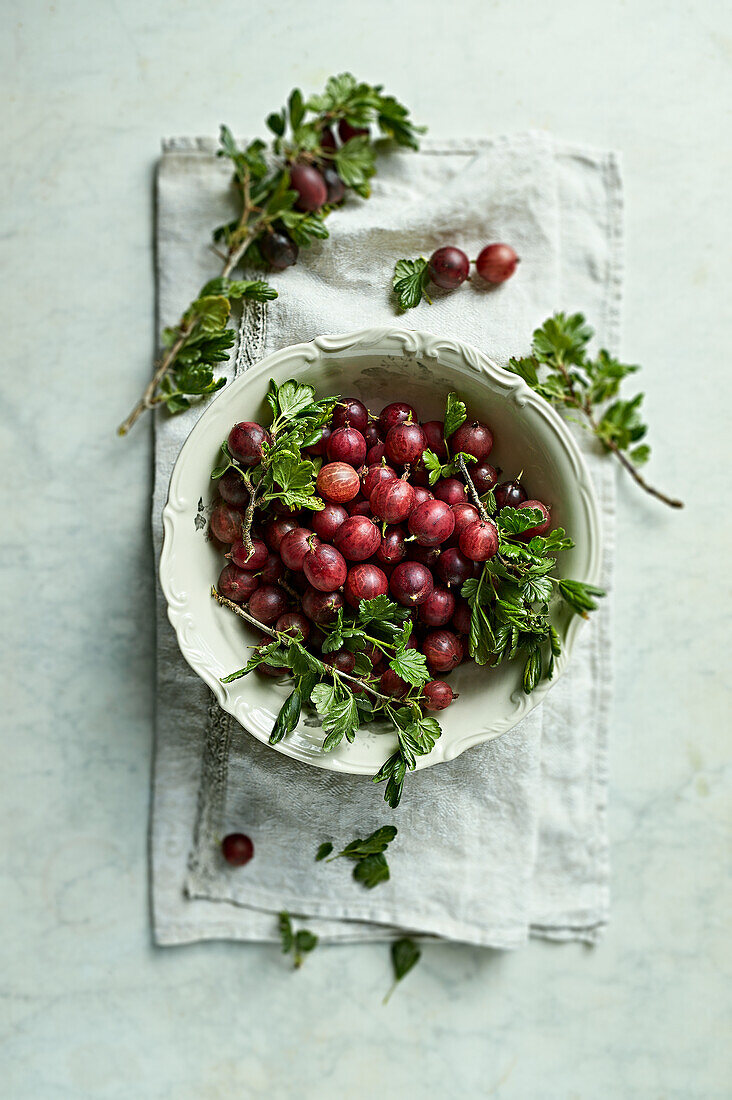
(396,413)
(336,188)
(464,514)
(246,440)
(347,445)
(438,609)
(453,568)
(359,506)
(404,443)
(338,482)
(272,570)
(236,584)
(472,438)
(393,548)
(375,454)
(479,540)
(267,603)
(374,475)
(411,584)
(340,659)
(461,617)
(275,531)
(351,413)
(436,695)
(327,139)
(450,490)
(434,430)
(232,488)
(226,523)
(310,186)
(295,546)
(391,684)
(421,495)
(496,263)
(425,555)
(325,568)
(321,607)
(327,521)
(484,476)
(346,131)
(431,523)
(294,622)
(509,494)
(443,650)
(372,435)
(540,528)
(364,582)
(278,250)
(358,538)
(449,267)
(392,500)
(237,849)
(251,559)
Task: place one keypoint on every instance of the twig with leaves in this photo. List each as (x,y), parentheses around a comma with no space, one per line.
(269,212)
(562,371)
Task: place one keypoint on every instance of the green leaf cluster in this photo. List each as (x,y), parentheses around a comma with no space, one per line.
(561,369)
(371,866)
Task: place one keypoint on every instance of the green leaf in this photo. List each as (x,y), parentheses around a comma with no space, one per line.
(305,942)
(410,281)
(286,934)
(324,850)
(392,772)
(455,414)
(411,665)
(514,521)
(294,482)
(354,163)
(432,465)
(526,369)
(382,610)
(562,338)
(532,670)
(378,841)
(394,122)
(287,718)
(621,423)
(296,108)
(641,454)
(304,228)
(580,596)
(276,122)
(371,871)
(293,398)
(404,957)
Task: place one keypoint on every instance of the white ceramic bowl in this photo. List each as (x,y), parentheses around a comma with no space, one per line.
(378,366)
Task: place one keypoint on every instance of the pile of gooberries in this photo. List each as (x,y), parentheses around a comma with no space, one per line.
(382,531)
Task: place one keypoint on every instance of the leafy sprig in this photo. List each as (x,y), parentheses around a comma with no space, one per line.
(297,943)
(561,369)
(410,282)
(371,866)
(266,203)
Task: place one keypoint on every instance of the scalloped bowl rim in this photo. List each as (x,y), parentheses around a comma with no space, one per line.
(383,340)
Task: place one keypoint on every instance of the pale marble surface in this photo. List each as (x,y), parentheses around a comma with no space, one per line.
(89,1008)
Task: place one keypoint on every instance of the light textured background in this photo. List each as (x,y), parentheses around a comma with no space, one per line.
(89,1008)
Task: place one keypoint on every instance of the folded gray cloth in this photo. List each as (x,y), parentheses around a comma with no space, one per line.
(510,838)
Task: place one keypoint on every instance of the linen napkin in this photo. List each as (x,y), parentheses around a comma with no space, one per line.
(510,838)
